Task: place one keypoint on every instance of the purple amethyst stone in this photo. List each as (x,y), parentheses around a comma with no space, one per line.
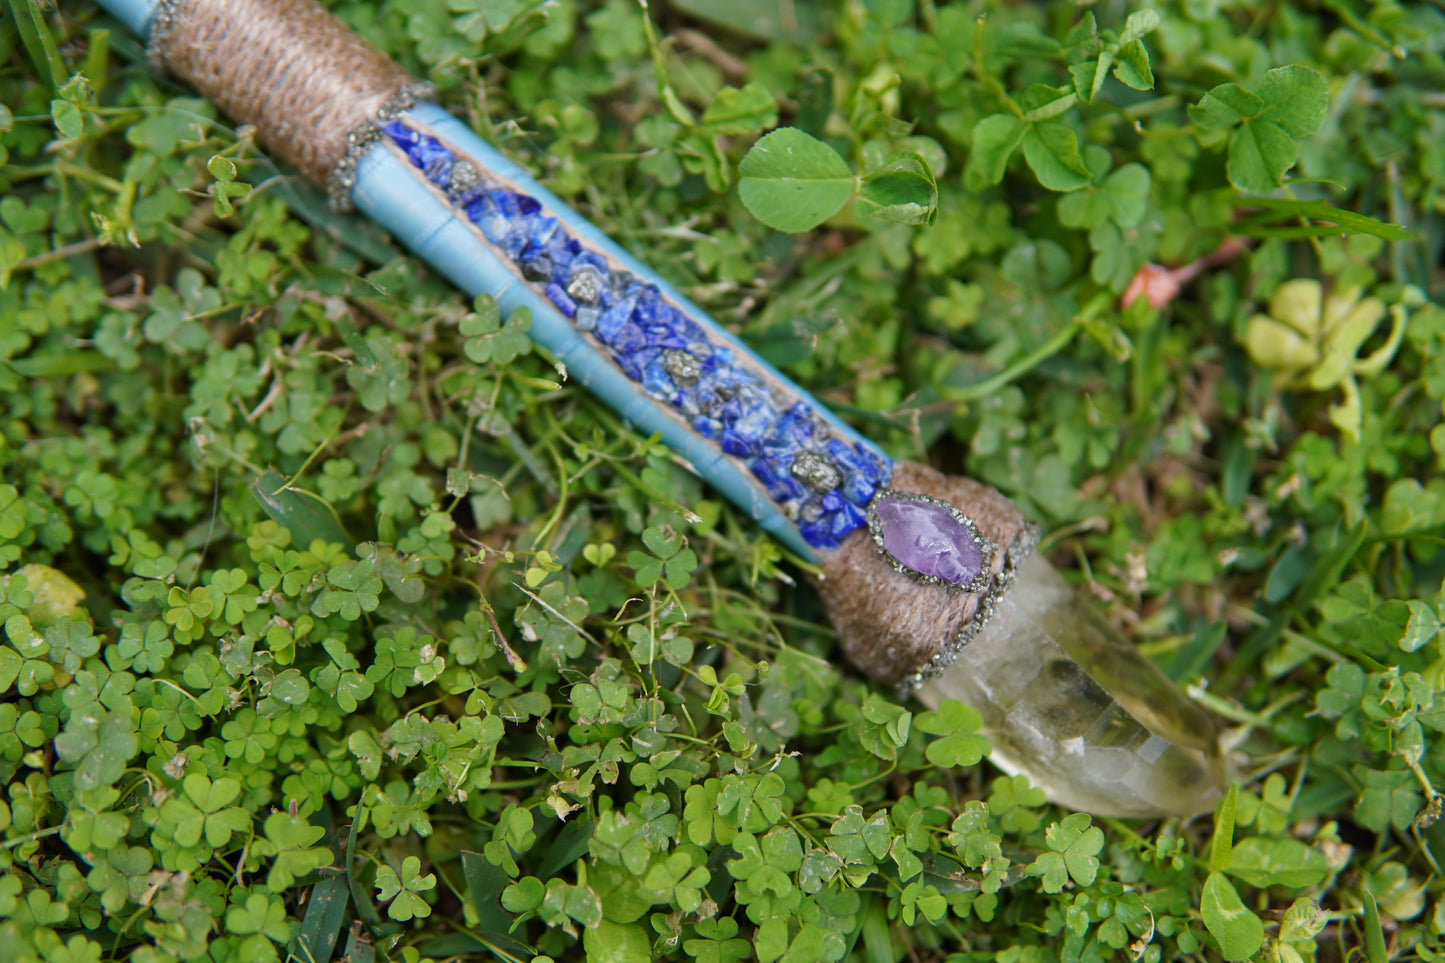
(926,537)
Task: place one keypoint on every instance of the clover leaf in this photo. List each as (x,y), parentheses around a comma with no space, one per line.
(1074,845)
(405,890)
(792,182)
(958,725)
(488,339)
(1288,103)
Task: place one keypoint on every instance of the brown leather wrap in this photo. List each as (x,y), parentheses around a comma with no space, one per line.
(288,67)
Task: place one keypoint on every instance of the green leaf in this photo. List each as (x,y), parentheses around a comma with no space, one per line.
(1259,154)
(1043,103)
(404,890)
(1239,932)
(1132,67)
(1423,628)
(39,43)
(1277,862)
(610,942)
(13,512)
(523,896)
(716,943)
(902,190)
(488,339)
(304,515)
(1282,209)
(958,726)
(740,111)
(995,138)
(1375,947)
(326,906)
(1302,922)
(1121,197)
(793,182)
(1224,106)
(1052,150)
(1387,798)
(1222,843)
(1290,102)
(1075,844)
(1296,99)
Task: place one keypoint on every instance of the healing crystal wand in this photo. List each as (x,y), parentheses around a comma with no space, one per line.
(931,581)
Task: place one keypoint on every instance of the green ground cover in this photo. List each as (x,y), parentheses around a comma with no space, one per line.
(394,643)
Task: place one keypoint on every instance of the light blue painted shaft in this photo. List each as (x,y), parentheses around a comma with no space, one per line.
(135,14)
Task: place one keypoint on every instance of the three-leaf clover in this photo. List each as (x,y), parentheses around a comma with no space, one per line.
(405,890)
(352,588)
(203,810)
(1074,846)
(668,560)
(957,726)
(290,839)
(488,339)
(1288,103)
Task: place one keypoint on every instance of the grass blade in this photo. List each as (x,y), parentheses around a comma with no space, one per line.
(325,915)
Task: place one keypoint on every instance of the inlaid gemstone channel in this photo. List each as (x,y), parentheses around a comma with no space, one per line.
(822,483)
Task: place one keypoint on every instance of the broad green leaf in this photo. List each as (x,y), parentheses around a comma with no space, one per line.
(1122,197)
(1423,628)
(610,942)
(68,119)
(1289,102)
(1412,507)
(793,182)
(740,111)
(302,513)
(1387,798)
(1224,106)
(1133,68)
(1040,103)
(1277,862)
(1259,155)
(1296,99)
(325,913)
(957,726)
(995,138)
(1052,150)
(1239,932)
(1139,24)
(1075,844)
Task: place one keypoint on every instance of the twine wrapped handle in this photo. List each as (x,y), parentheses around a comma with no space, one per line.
(309,85)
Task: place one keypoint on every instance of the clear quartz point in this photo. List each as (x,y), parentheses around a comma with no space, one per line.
(1083,714)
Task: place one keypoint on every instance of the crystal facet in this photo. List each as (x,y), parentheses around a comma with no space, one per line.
(1068,702)
(927,537)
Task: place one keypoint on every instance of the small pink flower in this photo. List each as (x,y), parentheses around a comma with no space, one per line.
(1154,282)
